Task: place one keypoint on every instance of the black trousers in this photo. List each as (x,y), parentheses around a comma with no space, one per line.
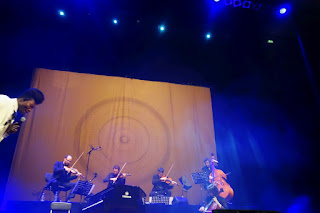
(67,185)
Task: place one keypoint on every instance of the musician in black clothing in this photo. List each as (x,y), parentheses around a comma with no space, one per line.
(112,177)
(160,187)
(62,177)
(207,170)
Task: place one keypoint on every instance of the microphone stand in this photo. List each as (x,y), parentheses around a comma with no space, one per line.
(87,169)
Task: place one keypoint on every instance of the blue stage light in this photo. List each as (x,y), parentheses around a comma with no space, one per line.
(246,4)
(208,36)
(237,3)
(115,21)
(162,28)
(216,0)
(283,10)
(61,13)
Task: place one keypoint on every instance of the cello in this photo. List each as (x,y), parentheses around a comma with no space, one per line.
(219,179)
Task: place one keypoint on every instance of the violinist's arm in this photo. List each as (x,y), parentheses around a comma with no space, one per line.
(72,177)
(107,179)
(58,167)
(121,180)
(156,180)
(169,186)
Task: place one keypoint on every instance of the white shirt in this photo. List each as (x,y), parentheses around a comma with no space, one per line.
(8,110)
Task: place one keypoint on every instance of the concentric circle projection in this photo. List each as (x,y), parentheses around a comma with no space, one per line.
(129,131)
(131,138)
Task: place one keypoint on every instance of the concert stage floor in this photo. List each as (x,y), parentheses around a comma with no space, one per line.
(44,207)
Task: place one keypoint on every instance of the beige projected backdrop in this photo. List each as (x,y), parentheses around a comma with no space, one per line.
(144,124)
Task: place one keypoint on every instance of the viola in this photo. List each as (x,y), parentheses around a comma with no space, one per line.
(218,178)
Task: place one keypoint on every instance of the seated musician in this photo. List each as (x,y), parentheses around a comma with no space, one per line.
(62,176)
(161,184)
(114,178)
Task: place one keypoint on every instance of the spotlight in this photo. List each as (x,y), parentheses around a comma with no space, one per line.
(257,6)
(246,4)
(162,28)
(282,10)
(270,41)
(115,21)
(237,3)
(227,2)
(61,13)
(216,0)
(208,36)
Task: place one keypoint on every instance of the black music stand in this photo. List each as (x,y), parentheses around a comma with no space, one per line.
(185,184)
(199,177)
(82,188)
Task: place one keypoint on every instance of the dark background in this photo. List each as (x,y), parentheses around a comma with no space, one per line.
(265,97)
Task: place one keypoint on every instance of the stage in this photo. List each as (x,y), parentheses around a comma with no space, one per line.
(40,207)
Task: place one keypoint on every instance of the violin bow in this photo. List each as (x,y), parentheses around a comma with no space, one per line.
(169,170)
(120,171)
(76,160)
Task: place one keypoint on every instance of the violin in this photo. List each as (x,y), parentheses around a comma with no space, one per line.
(168,180)
(122,175)
(73,171)
(218,178)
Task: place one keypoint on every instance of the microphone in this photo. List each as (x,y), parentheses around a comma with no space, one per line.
(95,175)
(98,148)
(22,119)
(94,149)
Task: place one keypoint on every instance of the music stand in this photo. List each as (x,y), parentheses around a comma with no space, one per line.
(185,184)
(199,177)
(82,188)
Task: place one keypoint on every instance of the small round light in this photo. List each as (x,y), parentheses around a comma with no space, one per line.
(162,28)
(283,10)
(115,21)
(61,13)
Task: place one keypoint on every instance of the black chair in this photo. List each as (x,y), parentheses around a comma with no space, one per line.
(48,187)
